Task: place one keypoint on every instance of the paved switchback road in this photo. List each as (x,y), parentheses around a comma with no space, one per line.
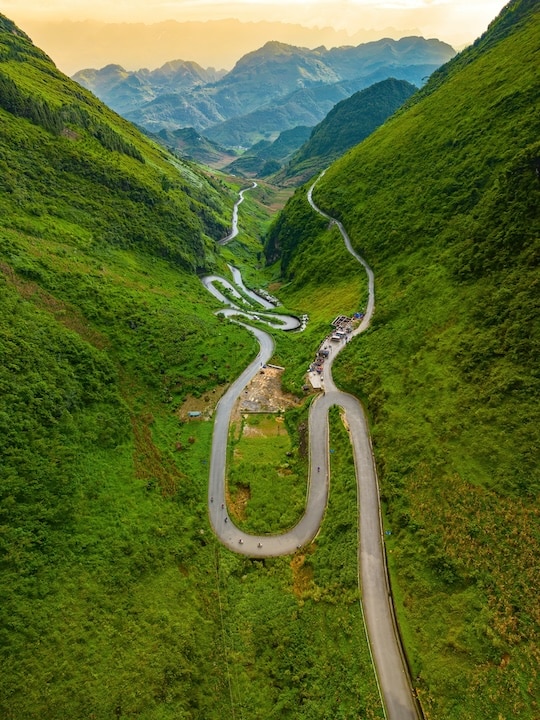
(385,646)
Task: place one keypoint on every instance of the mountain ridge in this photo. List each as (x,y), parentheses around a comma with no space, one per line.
(346,125)
(263,79)
(123,89)
(210,43)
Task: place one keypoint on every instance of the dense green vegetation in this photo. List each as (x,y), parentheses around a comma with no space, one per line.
(266,157)
(347,124)
(266,477)
(189,144)
(58,171)
(443,203)
(57,120)
(116,599)
(293,628)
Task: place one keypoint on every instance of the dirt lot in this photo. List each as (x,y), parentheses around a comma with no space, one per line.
(205,404)
(263,394)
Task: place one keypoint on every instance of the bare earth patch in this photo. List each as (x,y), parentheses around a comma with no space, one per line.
(302,575)
(270,425)
(206,404)
(237,504)
(252,431)
(264,394)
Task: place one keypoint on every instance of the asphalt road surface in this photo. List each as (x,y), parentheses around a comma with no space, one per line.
(234,231)
(241,309)
(377,606)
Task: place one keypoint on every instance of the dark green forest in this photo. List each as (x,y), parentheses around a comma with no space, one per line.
(443,202)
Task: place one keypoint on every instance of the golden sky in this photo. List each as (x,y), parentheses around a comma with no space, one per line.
(457,22)
(435,18)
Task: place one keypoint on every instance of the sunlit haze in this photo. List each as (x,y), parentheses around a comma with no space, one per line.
(457,22)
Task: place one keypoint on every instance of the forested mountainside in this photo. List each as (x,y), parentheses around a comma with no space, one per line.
(272,89)
(191,145)
(104,330)
(443,202)
(265,157)
(347,124)
(65,155)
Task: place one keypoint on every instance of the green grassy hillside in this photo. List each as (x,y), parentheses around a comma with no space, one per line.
(443,202)
(116,601)
(58,168)
(104,330)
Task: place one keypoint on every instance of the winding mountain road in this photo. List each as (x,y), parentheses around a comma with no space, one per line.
(377,606)
(234,231)
(234,309)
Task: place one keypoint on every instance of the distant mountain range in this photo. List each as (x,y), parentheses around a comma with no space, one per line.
(211,43)
(125,91)
(296,155)
(272,89)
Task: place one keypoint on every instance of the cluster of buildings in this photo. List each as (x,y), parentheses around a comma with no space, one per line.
(342,328)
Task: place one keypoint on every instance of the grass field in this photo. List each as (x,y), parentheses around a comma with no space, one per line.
(267,479)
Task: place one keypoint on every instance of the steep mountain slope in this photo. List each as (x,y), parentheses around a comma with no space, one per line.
(265,157)
(190,144)
(263,79)
(443,201)
(104,330)
(347,124)
(74,137)
(125,90)
(277,68)
(307,106)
